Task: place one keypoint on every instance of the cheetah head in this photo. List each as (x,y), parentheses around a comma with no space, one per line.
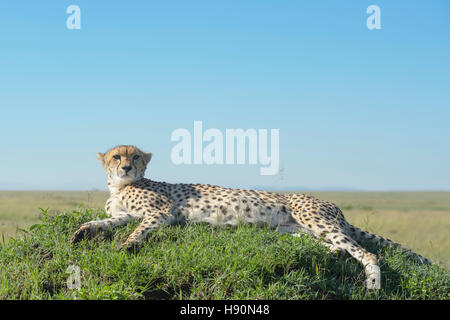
(124,164)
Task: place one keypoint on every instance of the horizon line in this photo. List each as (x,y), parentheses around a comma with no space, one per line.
(343,190)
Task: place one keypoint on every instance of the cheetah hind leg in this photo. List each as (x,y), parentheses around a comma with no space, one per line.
(341,243)
(369,260)
(297,230)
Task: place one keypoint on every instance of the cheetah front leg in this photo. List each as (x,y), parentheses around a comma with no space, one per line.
(151,222)
(91,228)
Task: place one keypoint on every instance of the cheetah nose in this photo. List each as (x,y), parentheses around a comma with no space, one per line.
(126,168)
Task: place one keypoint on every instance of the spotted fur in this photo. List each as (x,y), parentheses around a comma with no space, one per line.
(134,197)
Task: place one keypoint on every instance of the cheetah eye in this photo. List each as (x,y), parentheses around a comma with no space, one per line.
(117,157)
(136,157)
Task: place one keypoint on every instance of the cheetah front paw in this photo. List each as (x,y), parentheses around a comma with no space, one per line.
(85,231)
(129,246)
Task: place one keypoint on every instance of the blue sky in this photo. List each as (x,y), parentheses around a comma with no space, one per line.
(355,108)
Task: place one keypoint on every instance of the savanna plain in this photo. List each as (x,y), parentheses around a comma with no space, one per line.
(417,220)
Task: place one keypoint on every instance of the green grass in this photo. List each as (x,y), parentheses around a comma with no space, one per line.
(198,261)
(418,220)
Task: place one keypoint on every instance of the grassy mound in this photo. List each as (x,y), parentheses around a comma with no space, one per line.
(198,261)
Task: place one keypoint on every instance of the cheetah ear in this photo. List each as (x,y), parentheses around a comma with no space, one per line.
(147,157)
(101,158)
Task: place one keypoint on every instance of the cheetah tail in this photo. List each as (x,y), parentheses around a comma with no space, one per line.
(360,235)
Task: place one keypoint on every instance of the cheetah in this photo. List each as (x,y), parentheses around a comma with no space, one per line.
(134,197)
